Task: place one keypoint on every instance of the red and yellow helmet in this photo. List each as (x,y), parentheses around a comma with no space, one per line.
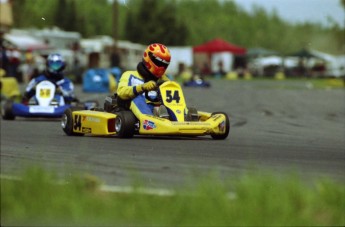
(156,59)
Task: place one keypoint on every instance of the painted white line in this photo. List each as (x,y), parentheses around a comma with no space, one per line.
(113,188)
(8,177)
(126,189)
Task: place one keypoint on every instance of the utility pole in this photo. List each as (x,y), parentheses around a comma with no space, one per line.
(115,27)
(114,55)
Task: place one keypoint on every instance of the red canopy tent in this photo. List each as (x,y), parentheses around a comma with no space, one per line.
(219,45)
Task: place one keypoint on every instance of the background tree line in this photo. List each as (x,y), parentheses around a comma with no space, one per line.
(180,22)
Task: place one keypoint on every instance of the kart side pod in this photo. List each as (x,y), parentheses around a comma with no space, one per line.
(79,122)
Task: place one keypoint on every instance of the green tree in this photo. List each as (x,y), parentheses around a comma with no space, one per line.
(33,13)
(181,22)
(66,15)
(155,21)
(60,17)
(95,17)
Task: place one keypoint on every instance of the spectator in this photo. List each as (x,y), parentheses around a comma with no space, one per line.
(14,59)
(28,67)
(4,63)
(206,71)
(115,59)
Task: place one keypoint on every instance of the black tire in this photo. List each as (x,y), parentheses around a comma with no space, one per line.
(6,111)
(67,121)
(125,124)
(227,128)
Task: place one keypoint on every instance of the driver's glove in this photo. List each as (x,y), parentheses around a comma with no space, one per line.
(148,86)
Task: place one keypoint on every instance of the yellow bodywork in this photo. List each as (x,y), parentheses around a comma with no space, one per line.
(93,122)
(102,123)
(151,125)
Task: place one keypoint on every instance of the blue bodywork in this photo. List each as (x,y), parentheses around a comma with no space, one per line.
(21,110)
(36,110)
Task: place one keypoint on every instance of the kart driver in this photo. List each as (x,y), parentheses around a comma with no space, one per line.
(54,73)
(133,84)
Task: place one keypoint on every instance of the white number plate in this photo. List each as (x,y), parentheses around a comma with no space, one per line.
(41,109)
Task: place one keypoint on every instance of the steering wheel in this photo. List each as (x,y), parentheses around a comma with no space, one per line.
(158,97)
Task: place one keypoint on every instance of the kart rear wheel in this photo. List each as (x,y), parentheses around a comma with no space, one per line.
(67,121)
(6,111)
(125,124)
(227,128)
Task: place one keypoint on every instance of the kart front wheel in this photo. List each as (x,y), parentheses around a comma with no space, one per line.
(125,124)
(227,128)
(67,121)
(6,111)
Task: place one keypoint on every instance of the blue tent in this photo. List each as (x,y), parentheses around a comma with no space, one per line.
(96,80)
(116,72)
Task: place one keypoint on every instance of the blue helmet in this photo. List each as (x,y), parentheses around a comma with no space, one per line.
(55,63)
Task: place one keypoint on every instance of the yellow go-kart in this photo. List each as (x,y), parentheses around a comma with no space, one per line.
(172,118)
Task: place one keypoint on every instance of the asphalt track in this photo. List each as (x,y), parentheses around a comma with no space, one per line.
(282,126)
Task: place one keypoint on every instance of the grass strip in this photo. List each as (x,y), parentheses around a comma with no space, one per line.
(254,200)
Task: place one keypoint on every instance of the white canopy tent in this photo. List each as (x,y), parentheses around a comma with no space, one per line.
(26,42)
(180,55)
(335,65)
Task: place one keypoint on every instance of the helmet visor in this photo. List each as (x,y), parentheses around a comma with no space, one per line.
(55,65)
(158,61)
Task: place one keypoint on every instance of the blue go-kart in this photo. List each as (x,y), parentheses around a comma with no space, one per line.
(46,103)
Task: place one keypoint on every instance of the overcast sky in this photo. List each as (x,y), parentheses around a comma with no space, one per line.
(301,10)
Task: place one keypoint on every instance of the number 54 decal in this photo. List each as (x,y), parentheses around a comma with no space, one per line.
(170,97)
(44,93)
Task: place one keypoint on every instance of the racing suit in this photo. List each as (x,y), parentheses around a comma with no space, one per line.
(64,85)
(127,91)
